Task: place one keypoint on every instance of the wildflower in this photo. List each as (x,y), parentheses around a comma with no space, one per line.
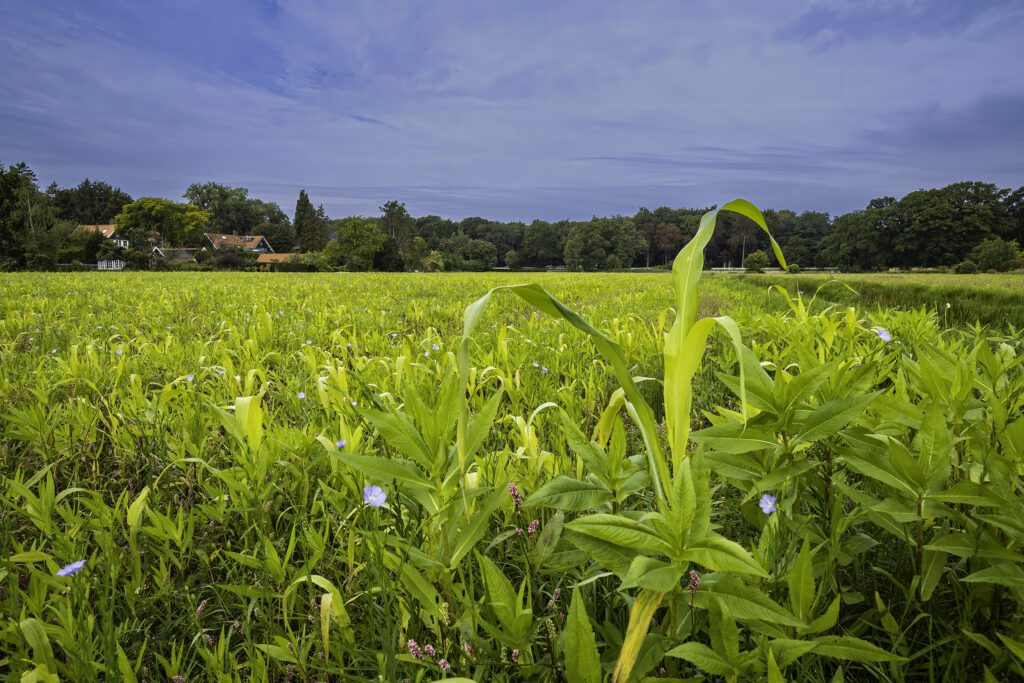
(426,354)
(209,639)
(694,581)
(220,372)
(190,378)
(53,350)
(534,525)
(467,647)
(309,342)
(414,649)
(519,531)
(543,370)
(374,496)
(443,664)
(947,306)
(350,345)
(767,504)
(536,364)
(435,347)
(553,602)
(119,351)
(340,443)
(515,656)
(429,649)
(72,568)
(177,679)
(883,334)
(355,403)
(301,395)
(517,499)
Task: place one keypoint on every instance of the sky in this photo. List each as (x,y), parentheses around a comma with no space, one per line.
(517,110)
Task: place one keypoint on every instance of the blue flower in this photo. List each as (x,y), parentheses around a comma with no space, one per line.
(883,334)
(341,443)
(72,568)
(374,496)
(302,395)
(767,504)
(435,347)
(119,352)
(309,342)
(190,377)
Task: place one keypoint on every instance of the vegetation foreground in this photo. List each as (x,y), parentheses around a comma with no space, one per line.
(356,477)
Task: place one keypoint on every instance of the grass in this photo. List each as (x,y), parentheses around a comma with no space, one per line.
(995,300)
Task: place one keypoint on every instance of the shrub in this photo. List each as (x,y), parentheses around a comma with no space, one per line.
(756,261)
(794,268)
(965,267)
(996,254)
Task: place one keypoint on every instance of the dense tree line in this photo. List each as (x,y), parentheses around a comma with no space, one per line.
(968,225)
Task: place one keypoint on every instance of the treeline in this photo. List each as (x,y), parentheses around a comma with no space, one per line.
(969,225)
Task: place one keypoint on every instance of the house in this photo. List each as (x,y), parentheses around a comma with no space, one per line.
(108,230)
(270,259)
(176,254)
(253,243)
(110,261)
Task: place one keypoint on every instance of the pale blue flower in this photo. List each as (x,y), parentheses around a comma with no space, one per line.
(302,395)
(435,347)
(72,568)
(119,351)
(340,443)
(374,496)
(309,342)
(190,377)
(883,334)
(767,504)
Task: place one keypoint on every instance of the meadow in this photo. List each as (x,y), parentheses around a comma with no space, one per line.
(995,299)
(626,477)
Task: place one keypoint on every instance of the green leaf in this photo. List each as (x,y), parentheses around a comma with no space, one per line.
(720,554)
(655,575)
(29,557)
(35,635)
(743,602)
(620,531)
(582,663)
(1008,575)
(853,649)
(1015,646)
(572,495)
(249,420)
(725,638)
(401,434)
(829,418)
(473,530)
(801,583)
(548,539)
(704,658)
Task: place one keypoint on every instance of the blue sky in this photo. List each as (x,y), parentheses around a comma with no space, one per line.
(518,110)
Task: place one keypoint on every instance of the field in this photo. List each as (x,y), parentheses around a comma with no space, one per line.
(351,477)
(992,299)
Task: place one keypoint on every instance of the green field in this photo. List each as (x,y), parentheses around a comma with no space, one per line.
(990,299)
(841,500)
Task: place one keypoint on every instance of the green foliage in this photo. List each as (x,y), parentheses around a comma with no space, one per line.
(756,261)
(966,267)
(211,476)
(153,221)
(996,254)
(311,225)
